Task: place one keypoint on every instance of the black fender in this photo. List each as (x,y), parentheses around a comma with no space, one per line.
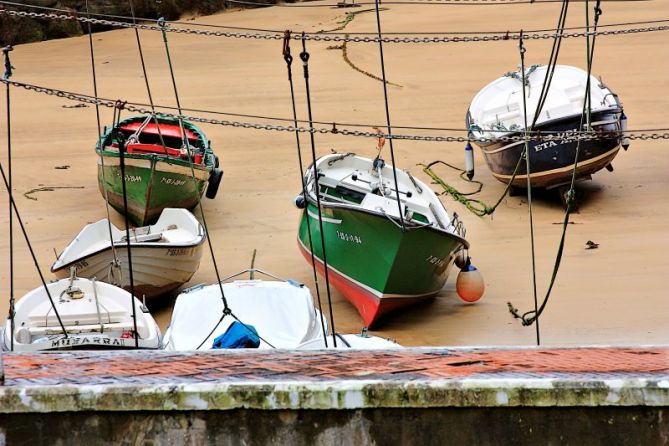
(215,176)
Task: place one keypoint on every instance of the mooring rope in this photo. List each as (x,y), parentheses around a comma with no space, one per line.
(304,57)
(120,137)
(528,173)
(288,58)
(387,109)
(7,74)
(529,317)
(146,77)
(226,308)
(116,263)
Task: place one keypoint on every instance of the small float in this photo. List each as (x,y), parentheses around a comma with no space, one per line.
(79,313)
(496,114)
(379,259)
(164,166)
(164,255)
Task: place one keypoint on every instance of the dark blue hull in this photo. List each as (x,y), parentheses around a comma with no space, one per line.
(552,162)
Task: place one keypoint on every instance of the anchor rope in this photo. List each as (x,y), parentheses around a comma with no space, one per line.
(410,38)
(115,264)
(288,58)
(529,317)
(387,109)
(120,137)
(304,57)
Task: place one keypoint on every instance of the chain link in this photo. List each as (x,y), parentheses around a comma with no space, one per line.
(532,136)
(332,38)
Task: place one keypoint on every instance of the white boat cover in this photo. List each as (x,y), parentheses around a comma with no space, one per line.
(499,105)
(282,312)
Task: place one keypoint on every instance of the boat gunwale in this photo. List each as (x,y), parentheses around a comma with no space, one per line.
(358,208)
(497,134)
(123,244)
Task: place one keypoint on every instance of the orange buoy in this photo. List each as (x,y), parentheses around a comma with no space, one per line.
(469,285)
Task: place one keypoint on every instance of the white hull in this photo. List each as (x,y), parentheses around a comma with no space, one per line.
(95,315)
(497,110)
(164,255)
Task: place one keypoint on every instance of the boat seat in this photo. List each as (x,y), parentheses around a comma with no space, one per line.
(77,312)
(139,238)
(378,203)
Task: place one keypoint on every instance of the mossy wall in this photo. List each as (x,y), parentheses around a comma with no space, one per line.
(593,426)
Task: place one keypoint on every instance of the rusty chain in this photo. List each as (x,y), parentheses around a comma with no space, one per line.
(532,136)
(331,38)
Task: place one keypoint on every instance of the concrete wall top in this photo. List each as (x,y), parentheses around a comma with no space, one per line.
(329,379)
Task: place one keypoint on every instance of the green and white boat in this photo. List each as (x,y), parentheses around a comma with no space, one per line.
(161,171)
(378,260)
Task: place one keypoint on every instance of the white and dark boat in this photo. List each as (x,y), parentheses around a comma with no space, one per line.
(407,248)
(496,113)
(94,315)
(164,255)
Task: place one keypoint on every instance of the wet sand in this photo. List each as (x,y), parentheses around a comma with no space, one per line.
(611,295)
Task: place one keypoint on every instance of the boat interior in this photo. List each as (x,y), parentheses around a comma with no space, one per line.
(175,227)
(84,306)
(163,138)
(370,185)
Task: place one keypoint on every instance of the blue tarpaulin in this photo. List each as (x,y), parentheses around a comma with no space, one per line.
(238,335)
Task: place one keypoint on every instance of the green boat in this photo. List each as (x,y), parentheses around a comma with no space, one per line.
(378,260)
(161,171)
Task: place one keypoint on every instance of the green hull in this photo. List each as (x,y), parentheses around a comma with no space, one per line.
(152,184)
(158,175)
(373,263)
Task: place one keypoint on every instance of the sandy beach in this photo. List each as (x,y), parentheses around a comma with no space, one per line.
(610,295)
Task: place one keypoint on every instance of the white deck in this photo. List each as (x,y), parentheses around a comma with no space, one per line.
(499,105)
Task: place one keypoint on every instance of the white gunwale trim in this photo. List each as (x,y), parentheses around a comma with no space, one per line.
(561,169)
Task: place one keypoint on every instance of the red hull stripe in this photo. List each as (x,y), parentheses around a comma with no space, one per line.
(370,306)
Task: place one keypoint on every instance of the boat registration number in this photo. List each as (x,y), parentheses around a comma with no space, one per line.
(349,237)
(174,252)
(71,342)
(172,181)
(435,261)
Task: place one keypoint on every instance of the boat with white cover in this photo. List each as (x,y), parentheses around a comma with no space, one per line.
(164,255)
(281,312)
(496,113)
(94,315)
